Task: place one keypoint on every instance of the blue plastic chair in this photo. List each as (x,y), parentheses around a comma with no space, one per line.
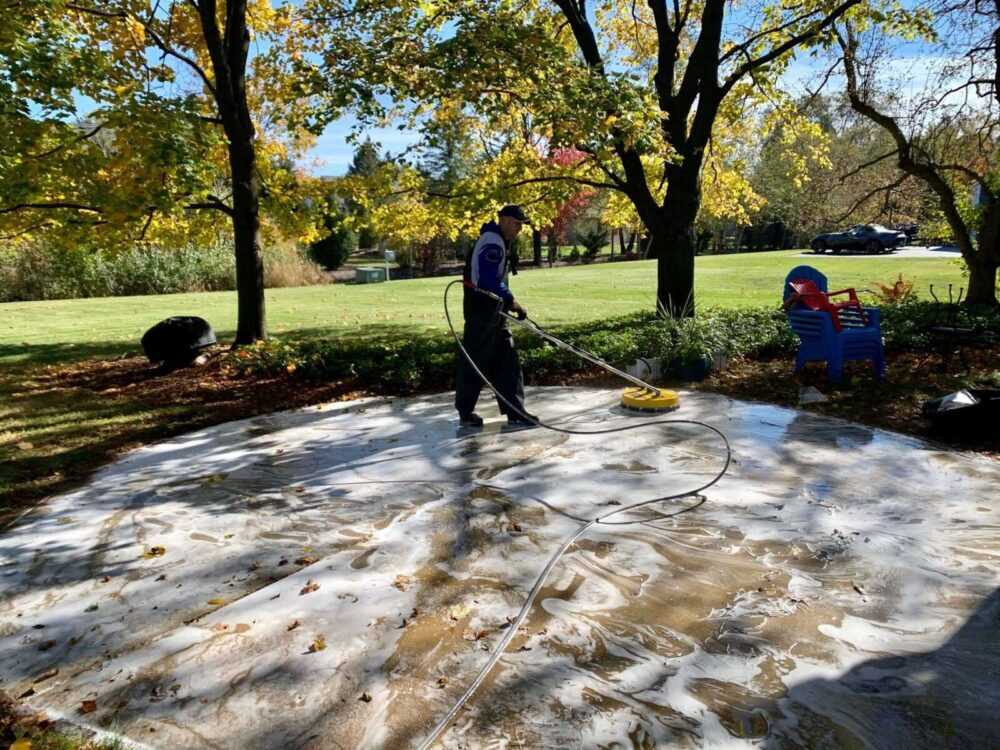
(819,341)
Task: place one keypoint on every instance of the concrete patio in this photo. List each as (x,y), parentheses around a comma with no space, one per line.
(335,577)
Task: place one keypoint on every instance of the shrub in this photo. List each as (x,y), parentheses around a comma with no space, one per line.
(37,272)
(34,271)
(893,294)
(333,250)
(592,240)
(404,365)
(574,255)
(405,258)
(286,265)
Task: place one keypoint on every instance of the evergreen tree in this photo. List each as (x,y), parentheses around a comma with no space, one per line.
(365,163)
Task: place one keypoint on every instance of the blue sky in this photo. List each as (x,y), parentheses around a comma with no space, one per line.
(332,153)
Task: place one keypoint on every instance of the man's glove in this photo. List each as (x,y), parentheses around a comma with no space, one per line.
(519,311)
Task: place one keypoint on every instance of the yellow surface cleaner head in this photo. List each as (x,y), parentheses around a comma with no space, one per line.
(644,399)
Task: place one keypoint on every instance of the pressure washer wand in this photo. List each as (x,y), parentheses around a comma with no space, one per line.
(532,326)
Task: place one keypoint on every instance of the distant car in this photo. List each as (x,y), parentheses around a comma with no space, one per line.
(871,238)
(910,230)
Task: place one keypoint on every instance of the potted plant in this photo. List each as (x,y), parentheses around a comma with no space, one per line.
(696,348)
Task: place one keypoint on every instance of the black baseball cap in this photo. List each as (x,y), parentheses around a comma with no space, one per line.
(515,212)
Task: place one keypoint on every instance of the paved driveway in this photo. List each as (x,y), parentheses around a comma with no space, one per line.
(909,251)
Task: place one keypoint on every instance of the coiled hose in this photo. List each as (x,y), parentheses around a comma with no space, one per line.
(511,631)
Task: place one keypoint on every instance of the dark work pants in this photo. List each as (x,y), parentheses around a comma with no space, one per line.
(491,346)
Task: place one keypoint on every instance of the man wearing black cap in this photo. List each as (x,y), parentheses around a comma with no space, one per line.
(486,337)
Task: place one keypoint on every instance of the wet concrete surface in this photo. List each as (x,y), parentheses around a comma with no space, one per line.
(335,577)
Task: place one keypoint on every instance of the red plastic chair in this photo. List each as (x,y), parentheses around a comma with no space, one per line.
(849,313)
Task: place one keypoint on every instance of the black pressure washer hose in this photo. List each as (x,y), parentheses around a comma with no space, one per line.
(515,625)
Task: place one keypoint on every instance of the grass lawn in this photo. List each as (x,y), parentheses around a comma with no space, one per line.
(66,330)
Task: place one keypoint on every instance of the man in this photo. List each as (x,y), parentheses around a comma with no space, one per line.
(486,337)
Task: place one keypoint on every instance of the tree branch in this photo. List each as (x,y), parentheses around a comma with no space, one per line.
(189,61)
(27,230)
(867,164)
(145,227)
(870,194)
(61,146)
(906,162)
(743,47)
(97,12)
(157,39)
(787,45)
(51,205)
(213,203)
(980,178)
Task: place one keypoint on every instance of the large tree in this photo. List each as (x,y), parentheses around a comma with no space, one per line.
(644,89)
(180,119)
(946,135)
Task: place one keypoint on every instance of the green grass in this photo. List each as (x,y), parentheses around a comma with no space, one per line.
(65,330)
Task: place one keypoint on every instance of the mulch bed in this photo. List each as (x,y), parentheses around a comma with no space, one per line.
(895,404)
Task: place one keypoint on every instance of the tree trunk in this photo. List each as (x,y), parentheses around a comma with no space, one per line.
(674,250)
(536,246)
(246,226)
(229,64)
(984,262)
(673,242)
(631,242)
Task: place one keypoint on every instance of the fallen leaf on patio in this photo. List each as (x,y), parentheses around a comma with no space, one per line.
(220,627)
(216,602)
(309,588)
(300,489)
(459,611)
(46,645)
(48,673)
(25,446)
(26,694)
(161,577)
(365,697)
(401,582)
(87,707)
(21,744)
(858,589)
(91,608)
(105,579)
(306,560)
(294,625)
(154,552)
(442,681)
(318,645)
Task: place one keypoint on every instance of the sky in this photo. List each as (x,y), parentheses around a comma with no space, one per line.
(332,153)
